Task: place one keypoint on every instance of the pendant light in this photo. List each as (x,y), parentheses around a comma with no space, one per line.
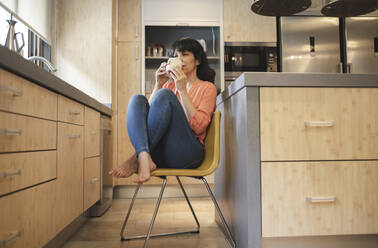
(279,8)
(349,8)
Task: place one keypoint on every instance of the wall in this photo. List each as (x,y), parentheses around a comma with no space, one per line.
(38,14)
(84,46)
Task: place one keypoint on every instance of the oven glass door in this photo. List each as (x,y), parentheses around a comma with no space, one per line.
(245,58)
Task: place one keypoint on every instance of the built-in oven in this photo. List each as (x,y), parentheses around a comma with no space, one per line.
(242,57)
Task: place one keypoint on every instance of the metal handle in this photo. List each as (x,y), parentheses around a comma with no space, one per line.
(326,199)
(93,180)
(6,131)
(182,24)
(10,173)
(74,136)
(319,123)
(12,236)
(74,112)
(19,48)
(136,30)
(340,67)
(93,132)
(14,91)
(230,79)
(136,53)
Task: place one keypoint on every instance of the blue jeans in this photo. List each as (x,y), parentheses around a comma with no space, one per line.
(163,131)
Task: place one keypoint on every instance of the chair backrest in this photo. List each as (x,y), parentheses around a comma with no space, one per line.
(212,146)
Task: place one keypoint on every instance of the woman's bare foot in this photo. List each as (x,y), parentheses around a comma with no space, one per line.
(145,166)
(126,169)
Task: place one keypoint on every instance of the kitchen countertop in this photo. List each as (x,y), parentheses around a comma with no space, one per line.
(287,79)
(13,62)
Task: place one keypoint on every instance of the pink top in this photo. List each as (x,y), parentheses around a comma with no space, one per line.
(203,95)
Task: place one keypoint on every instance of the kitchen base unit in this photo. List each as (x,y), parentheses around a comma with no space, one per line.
(299,160)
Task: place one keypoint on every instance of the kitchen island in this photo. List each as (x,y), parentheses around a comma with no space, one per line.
(299,160)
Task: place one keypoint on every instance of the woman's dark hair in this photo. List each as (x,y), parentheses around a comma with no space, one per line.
(204,72)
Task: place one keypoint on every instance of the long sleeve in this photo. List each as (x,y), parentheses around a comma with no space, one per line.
(202,117)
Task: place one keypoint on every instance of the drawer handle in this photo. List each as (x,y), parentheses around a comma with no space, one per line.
(10,173)
(321,199)
(74,136)
(9,89)
(93,132)
(6,131)
(94,180)
(11,237)
(319,123)
(74,112)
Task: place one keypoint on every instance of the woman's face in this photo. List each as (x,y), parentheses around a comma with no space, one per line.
(189,63)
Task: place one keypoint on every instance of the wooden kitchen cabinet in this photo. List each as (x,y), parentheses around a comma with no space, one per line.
(193,13)
(332,192)
(129,81)
(318,123)
(26,216)
(23,133)
(92,170)
(21,170)
(319,198)
(92,133)
(18,95)
(70,111)
(240,24)
(28,162)
(91,181)
(42,151)
(128,73)
(129,20)
(69,192)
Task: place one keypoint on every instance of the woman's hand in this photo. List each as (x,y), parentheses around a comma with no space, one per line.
(161,77)
(179,77)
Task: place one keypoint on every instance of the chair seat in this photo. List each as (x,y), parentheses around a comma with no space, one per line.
(211,159)
(180,172)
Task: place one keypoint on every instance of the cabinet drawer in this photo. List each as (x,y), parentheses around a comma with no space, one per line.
(26,216)
(318,123)
(21,170)
(319,198)
(91,181)
(21,96)
(70,111)
(22,133)
(92,133)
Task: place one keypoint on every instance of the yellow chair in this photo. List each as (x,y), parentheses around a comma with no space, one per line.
(208,166)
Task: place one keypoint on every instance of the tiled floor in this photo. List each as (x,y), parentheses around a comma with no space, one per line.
(174,215)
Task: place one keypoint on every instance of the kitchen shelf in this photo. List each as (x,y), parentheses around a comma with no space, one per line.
(166,58)
(164,36)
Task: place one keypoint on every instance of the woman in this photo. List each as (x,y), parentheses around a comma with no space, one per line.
(168,131)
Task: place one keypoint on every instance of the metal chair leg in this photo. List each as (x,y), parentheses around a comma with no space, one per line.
(129,211)
(155,212)
(228,232)
(149,235)
(190,205)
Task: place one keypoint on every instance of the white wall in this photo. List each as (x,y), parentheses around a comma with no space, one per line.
(38,14)
(84,46)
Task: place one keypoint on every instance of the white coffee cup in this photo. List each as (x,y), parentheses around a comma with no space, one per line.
(173,63)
